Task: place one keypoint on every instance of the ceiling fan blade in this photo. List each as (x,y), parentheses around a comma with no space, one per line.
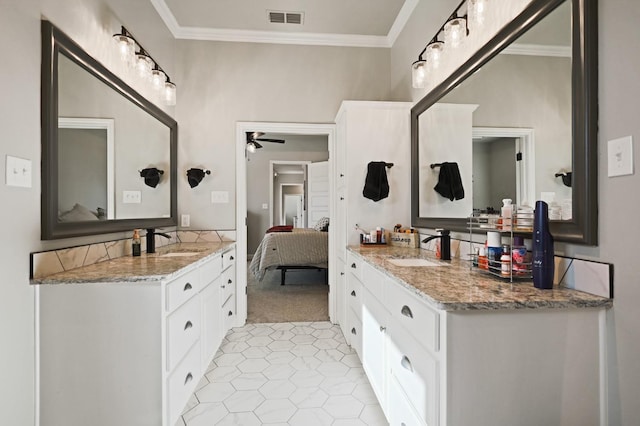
(270,140)
(257,144)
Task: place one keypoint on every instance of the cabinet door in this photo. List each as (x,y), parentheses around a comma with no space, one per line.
(374,323)
(211,326)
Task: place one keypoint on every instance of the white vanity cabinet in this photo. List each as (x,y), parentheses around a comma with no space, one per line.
(130,353)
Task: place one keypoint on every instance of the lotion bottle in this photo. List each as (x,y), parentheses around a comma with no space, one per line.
(507,214)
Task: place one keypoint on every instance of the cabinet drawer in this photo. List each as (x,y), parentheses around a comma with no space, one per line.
(210,270)
(228,258)
(354,295)
(355,332)
(354,265)
(401,413)
(181,289)
(416,372)
(228,283)
(373,280)
(182,382)
(183,330)
(421,321)
(228,314)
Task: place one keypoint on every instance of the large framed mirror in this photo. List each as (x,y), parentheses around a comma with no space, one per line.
(98,134)
(525,108)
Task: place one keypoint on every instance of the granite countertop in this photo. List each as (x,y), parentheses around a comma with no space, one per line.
(457,287)
(150,268)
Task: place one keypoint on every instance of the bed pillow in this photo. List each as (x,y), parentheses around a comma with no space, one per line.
(322,224)
(78,213)
(280,228)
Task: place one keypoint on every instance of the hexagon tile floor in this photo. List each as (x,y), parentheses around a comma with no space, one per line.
(299,374)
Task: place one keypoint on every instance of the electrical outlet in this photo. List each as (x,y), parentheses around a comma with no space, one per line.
(185,220)
(131,197)
(18,172)
(620,156)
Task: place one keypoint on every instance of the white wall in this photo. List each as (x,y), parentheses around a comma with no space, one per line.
(619,102)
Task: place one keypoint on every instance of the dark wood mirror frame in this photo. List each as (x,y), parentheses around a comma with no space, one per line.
(54,42)
(583,228)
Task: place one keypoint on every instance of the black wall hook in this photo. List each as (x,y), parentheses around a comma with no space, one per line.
(151,176)
(195,176)
(566,178)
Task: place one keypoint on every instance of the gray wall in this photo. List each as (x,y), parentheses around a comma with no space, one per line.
(494,172)
(619,102)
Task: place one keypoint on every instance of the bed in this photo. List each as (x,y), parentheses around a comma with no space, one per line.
(302,248)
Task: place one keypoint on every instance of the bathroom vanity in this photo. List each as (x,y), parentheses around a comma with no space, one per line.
(126,341)
(445,345)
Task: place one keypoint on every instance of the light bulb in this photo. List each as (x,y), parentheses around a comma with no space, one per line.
(418,74)
(251,147)
(455,32)
(476,14)
(434,54)
(169,93)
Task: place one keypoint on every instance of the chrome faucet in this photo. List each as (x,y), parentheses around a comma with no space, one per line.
(445,243)
(151,239)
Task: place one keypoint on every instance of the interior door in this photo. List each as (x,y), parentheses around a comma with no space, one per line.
(318,191)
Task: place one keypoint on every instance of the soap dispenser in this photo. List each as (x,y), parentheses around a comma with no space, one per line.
(543,262)
(135,243)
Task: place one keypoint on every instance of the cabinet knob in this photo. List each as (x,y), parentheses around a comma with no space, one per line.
(230,313)
(341,198)
(406,311)
(341,174)
(382,329)
(188,325)
(341,273)
(353,293)
(353,265)
(230,257)
(406,363)
(188,378)
(188,286)
(222,286)
(353,331)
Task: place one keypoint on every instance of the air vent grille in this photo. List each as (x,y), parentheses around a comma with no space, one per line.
(277,17)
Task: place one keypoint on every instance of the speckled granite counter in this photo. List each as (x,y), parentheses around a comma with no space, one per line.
(457,287)
(146,268)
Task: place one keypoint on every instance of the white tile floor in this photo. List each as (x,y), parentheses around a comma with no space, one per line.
(300,373)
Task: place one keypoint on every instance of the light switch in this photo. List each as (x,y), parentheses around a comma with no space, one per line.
(219,196)
(18,172)
(620,156)
(185,220)
(131,197)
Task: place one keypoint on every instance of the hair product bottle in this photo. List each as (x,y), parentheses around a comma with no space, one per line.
(543,262)
(135,243)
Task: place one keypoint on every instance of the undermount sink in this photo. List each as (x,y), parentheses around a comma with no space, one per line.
(415,262)
(180,254)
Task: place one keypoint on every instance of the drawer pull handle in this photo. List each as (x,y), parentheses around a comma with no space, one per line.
(353,293)
(382,329)
(341,273)
(406,363)
(406,311)
(353,265)
(353,331)
(341,174)
(230,313)
(188,325)
(188,378)
(403,424)
(187,286)
(230,257)
(341,198)
(229,282)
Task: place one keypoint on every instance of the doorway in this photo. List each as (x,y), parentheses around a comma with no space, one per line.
(327,130)
(288,181)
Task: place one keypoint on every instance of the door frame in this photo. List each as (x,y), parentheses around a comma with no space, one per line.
(326,129)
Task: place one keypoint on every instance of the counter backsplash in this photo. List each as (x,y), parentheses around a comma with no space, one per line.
(46,263)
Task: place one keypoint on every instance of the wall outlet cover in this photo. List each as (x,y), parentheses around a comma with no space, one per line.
(131,197)
(620,156)
(219,196)
(18,172)
(185,220)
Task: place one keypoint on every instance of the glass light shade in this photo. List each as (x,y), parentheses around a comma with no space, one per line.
(158,78)
(126,47)
(169,93)
(476,14)
(418,74)
(455,31)
(251,147)
(144,65)
(433,54)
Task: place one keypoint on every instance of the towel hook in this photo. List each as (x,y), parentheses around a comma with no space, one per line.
(434,165)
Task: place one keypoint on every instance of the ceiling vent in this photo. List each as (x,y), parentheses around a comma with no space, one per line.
(276,17)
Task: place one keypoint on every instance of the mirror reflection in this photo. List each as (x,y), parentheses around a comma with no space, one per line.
(104,140)
(508,127)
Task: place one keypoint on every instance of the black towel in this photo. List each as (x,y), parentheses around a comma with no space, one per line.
(376,186)
(151,176)
(449,182)
(195,176)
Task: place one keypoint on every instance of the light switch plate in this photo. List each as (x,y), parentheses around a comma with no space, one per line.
(185,220)
(265,206)
(18,172)
(131,197)
(219,196)
(620,156)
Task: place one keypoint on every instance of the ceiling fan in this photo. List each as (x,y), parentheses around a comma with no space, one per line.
(254,137)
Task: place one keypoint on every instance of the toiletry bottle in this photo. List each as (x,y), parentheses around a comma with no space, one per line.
(543,262)
(505,261)
(494,251)
(379,234)
(506,214)
(482,259)
(135,243)
(519,256)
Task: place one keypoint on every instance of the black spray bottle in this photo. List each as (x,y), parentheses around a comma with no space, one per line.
(543,261)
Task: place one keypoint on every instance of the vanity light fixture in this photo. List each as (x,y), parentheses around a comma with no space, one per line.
(476,12)
(418,73)
(146,67)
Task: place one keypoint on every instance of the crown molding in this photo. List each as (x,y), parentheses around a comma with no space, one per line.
(537,50)
(279,37)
